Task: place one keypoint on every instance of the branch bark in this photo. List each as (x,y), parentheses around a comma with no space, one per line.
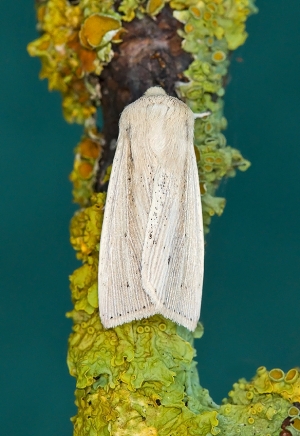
(151,54)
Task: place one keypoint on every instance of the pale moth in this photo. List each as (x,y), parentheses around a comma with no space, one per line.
(151,248)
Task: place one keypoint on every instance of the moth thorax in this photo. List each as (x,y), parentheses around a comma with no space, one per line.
(155,90)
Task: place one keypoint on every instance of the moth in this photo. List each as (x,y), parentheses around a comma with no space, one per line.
(152,246)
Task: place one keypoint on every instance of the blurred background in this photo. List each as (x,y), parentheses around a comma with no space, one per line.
(251,297)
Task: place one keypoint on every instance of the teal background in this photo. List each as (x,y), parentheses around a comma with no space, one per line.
(251,296)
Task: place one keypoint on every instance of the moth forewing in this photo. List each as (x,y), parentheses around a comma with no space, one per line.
(151,248)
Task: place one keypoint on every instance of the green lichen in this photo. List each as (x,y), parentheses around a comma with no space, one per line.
(211,30)
(262,405)
(77,43)
(140,378)
(136,379)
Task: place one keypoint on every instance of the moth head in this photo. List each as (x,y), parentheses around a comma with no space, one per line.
(155,90)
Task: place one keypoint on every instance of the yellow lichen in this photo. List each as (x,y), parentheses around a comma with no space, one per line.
(87,153)
(85,170)
(67,60)
(128,9)
(64,61)
(154,6)
(89,148)
(291,376)
(140,378)
(196,12)
(293,411)
(296,424)
(276,375)
(95,27)
(188,27)
(218,56)
(86,227)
